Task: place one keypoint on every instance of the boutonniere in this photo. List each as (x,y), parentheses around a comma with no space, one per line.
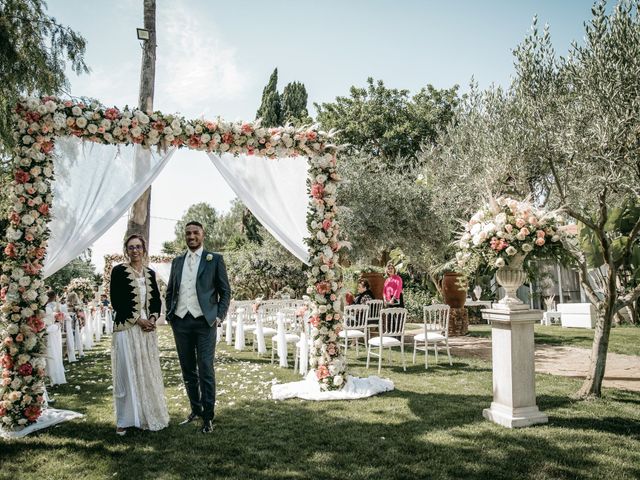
(209,257)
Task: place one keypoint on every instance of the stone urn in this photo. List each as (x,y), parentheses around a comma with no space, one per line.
(511,277)
(454,290)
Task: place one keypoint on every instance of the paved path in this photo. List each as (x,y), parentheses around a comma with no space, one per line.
(623,371)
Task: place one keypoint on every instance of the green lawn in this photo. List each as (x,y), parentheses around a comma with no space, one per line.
(623,339)
(431,426)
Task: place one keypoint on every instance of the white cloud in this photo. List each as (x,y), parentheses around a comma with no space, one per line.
(195,68)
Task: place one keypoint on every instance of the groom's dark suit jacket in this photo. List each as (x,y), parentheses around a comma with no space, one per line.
(212,287)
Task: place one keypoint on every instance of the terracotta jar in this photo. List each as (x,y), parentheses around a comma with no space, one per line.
(454,294)
(376,282)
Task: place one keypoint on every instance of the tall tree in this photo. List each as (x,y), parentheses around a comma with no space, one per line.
(294,104)
(270,109)
(387,122)
(140,214)
(34,51)
(200,212)
(78,267)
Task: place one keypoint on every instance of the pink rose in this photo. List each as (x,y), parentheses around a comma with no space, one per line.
(25,369)
(326,224)
(540,233)
(520,223)
(323,288)
(43,209)
(533,220)
(19,338)
(524,231)
(540,241)
(322,372)
(508,228)
(21,176)
(315,321)
(317,190)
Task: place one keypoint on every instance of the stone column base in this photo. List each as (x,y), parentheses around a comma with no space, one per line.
(514,417)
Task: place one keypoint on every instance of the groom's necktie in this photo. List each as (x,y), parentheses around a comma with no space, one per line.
(191,260)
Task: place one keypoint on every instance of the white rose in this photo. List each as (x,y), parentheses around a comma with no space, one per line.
(555,238)
(125,122)
(189,130)
(81,122)
(511,250)
(108,137)
(205,138)
(136,131)
(198,128)
(106,123)
(500,263)
(27,139)
(143,118)
(51,106)
(92,128)
(77,111)
(28,219)
(527,247)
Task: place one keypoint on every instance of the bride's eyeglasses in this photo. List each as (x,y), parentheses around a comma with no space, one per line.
(133,248)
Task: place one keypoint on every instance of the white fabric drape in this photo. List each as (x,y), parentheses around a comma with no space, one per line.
(94,186)
(309,388)
(162,270)
(276,193)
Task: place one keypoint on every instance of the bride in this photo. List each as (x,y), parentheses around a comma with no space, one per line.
(138,388)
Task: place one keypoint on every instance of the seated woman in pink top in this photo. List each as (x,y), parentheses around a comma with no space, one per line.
(392,290)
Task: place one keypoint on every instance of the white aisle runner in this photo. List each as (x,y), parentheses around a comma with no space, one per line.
(49,417)
(309,389)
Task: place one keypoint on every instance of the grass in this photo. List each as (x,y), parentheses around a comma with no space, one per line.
(431,426)
(623,339)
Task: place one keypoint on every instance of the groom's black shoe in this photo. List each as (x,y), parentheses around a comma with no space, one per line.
(192,416)
(207,426)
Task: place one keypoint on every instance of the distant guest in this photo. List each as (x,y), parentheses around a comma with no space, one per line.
(392,290)
(364,292)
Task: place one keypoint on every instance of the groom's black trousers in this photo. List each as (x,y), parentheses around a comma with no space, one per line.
(196,344)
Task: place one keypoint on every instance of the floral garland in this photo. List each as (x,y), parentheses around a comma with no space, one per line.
(505,231)
(83,287)
(325,277)
(37,122)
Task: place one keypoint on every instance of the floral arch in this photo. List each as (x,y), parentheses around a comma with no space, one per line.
(37,124)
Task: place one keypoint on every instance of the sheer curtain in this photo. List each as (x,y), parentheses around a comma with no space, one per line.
(94,186)
(276,193)
(162,270)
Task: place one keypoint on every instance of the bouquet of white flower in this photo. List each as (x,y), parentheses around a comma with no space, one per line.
(505,231)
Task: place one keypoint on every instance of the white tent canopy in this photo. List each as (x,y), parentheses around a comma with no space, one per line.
(96,184)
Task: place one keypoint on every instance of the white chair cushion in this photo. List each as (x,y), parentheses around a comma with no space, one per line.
(351,334)
(289,338)
(386,342)
(431,337)
(250,328)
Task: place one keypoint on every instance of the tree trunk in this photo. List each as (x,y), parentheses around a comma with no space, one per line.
(140,214)
(592,386)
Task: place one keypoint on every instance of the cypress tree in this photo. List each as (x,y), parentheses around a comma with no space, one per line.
(294,104)
(270,110)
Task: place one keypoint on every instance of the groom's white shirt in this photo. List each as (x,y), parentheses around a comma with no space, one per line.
(187,296)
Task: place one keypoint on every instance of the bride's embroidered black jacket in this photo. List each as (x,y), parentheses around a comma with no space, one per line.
(126,300)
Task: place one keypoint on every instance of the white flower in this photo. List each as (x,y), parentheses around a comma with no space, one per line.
(51,106)
(92,128)
(76,110)
(527,247)
(28,219)
(209,257)
(500,262)
(511,250)
(136,131)
(81,122)
(555,238)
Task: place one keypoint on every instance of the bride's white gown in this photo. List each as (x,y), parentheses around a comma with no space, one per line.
(138,388)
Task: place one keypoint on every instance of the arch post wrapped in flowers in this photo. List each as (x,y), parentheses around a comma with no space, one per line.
(505,235)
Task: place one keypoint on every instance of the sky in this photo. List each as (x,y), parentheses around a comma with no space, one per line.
(215,57)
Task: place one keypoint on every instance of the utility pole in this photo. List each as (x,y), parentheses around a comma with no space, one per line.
(140,213)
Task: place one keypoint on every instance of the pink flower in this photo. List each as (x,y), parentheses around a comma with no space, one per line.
(323,288)
(508,228)
(246,129)
(32,412)
(21,176)
(194,141)
(533,220)
(227,138)
(25,369)
(43,209)
(540,241)
(317,190)
(524,231)
(326,224)
(19,338)
(46,147)
(331,349)
(540,233)
(311,135)
(7,362)
(315,321)
(322,372)
(10,250)
(35,324)
(520,222)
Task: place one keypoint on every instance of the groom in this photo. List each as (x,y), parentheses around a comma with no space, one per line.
(198,296)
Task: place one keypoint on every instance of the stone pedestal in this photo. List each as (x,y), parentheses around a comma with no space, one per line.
(458,322)
(514,396)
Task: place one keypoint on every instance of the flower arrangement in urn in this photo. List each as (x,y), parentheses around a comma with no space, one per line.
(83,287)
(503,233)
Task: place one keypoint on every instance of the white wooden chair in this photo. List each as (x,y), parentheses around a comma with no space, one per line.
(354,325)
(266,324)
(391,325)
(374,317)
(436,330)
